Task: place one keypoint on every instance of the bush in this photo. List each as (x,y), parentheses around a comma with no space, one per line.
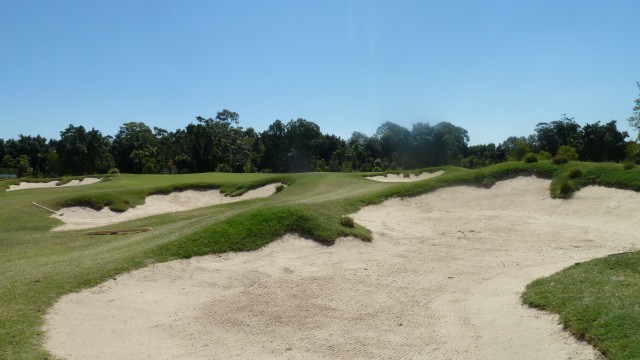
(559,159)
(575,173)
(544,155)
(628,165)
(530,158)
(347,221)
(279,188)
(114,171)
(567,151)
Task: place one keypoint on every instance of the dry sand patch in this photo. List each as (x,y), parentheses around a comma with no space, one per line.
(402,178)
(441,280)
(79,217)
(52,184)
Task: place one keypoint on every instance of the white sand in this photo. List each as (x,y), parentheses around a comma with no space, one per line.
(78,217)
(441,280)
(402,178)
(52,184)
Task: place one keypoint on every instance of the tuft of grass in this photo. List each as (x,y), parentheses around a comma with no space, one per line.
(347,221)
(565,189)
(574,173)
(628,165)
(488,182)
(279,188)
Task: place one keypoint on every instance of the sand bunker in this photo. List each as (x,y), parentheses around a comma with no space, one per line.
(77,217)
(52,184)
(402,178)
(441,280)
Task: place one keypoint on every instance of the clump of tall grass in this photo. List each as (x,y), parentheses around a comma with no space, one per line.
(559,159)
(347,221)
(574,173)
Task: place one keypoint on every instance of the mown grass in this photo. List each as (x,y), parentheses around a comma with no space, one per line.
(38,266)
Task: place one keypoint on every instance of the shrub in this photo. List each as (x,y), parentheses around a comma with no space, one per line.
(559,159)
(114,171)
(575,173)
(530,158)
(279,188)
(628,165)
(347,221)
(544,155)
(567,151)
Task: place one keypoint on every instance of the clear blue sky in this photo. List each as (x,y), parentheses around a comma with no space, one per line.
(495,68)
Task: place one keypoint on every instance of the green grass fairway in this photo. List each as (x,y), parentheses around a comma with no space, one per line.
(38,266)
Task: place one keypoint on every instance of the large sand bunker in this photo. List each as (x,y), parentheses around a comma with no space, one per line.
(441,280)
(403,178)
(52,184)
(78,217)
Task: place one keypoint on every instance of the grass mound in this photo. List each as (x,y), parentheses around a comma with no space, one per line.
(597,301)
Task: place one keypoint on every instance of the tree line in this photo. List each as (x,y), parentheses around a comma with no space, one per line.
(220,144)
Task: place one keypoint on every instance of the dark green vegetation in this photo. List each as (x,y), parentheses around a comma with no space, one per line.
(38,266)
(219,144)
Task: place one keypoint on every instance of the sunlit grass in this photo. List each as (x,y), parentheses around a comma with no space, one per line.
(38,266)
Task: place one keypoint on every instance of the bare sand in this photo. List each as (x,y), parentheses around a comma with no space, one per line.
(78,217)
(441,279)
(52,184)
(402,178)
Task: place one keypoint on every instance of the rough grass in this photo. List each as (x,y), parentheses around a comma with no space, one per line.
(38,266)
(598,301)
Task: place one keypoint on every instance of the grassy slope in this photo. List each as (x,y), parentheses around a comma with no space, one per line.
(38,266)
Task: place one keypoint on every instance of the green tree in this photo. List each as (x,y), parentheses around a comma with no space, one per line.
(603,142)
(301,135)
(550,136)
(132,139)
(516,148)
(394,141)
(83,152)
(634,120)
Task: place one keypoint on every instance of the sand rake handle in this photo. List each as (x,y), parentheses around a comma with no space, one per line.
(44,207)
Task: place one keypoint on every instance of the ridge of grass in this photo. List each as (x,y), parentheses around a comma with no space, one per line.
(120,200)
(38,266)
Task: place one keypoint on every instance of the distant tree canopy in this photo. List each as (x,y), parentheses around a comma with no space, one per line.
(220,144)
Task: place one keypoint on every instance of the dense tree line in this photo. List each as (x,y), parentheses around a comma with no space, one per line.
(592,142)
(220,144)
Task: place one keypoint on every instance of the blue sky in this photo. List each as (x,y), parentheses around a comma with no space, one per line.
(495,68)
